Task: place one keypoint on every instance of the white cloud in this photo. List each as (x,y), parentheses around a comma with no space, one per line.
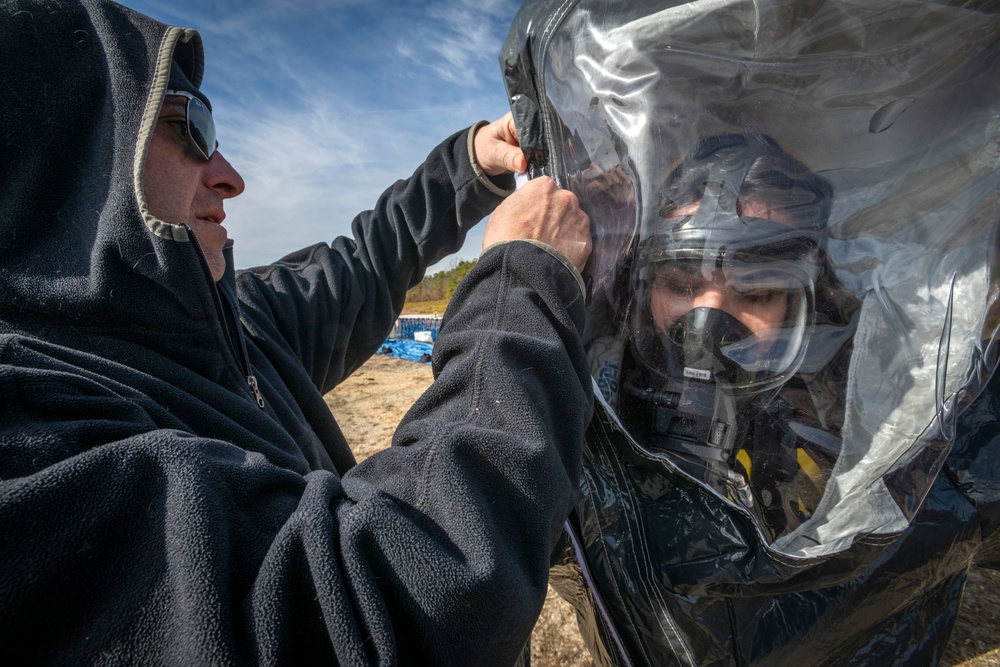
(462,38)
(312,166)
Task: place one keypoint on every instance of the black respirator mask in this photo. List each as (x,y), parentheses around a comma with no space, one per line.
(695,376)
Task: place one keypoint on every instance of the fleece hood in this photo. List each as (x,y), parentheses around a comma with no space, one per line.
(79,246)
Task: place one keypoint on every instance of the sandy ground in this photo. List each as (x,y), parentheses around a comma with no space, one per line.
(373,400)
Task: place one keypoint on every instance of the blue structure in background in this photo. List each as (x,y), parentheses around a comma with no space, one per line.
(408,325)
(401,342)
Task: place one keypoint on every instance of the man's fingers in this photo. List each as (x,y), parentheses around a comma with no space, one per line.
(510,159)
(540,210)
(496,147)
(508,122)
(516,162)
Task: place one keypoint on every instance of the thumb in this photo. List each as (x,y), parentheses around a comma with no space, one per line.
(514,160)
(497,150)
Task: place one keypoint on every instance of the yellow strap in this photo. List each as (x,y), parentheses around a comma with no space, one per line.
(810,468)
(744,460)
(803,509)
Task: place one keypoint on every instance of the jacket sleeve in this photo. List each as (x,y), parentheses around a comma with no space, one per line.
(334,304)
(138,543)
(482,472)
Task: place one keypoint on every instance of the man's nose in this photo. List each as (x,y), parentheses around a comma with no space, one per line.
(223,177)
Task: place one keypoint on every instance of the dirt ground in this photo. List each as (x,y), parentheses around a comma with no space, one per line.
(370,403)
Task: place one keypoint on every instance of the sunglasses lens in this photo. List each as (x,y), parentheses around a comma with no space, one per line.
(201,126)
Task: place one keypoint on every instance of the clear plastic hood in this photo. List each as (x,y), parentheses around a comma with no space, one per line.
(793,289)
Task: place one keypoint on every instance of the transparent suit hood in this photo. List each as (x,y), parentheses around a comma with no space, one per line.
(793,286)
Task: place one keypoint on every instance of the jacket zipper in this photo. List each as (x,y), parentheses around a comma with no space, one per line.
(252,381)
(222,301)
(248,369)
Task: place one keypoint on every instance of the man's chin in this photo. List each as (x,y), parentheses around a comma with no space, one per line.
(216,265)
(212,238)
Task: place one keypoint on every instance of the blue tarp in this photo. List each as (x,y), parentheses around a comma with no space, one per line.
(410,350)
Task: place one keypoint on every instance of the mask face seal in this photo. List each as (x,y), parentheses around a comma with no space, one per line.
(723,303)
(741,325)
(692,386)
(702,344)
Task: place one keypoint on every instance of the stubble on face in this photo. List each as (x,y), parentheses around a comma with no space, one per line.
(175,189)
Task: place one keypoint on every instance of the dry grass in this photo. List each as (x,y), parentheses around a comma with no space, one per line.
(425,307)
(370,403)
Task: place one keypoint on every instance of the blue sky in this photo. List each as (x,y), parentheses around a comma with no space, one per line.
(322,104)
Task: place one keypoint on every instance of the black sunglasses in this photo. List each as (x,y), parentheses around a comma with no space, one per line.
(200,124)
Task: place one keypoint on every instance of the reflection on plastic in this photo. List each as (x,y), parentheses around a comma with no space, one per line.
(793,296)
(688,135)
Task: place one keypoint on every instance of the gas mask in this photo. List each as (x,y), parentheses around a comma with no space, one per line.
(723,302)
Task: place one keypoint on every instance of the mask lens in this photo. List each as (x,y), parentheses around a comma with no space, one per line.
(740,325)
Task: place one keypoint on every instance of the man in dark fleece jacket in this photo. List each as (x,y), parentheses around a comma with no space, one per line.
(173,488)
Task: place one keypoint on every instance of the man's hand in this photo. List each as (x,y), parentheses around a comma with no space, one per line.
(497,150)
(541,211)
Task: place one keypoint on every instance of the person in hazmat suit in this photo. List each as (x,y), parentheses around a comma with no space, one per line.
(792,316)
(726,290)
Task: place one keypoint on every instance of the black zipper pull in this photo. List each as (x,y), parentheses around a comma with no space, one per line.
(252,381)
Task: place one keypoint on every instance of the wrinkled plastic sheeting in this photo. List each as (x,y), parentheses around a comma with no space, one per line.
(896,105)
